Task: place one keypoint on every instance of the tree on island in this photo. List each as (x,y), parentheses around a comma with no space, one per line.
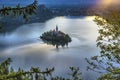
(107,62)
(8,73)
(56,38)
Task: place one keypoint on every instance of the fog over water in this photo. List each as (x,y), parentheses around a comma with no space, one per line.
(26,49)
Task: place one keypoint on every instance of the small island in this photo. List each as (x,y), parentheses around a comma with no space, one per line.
(56,38)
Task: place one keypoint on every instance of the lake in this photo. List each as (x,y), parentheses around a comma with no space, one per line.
(26,49)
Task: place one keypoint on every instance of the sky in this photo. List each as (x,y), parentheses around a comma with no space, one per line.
(47,1)
(70,2)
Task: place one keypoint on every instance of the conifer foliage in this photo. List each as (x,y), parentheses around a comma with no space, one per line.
(19,11)
(8,73)
(108,62)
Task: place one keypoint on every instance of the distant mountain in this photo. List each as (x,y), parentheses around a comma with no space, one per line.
(10,22)
(44,13)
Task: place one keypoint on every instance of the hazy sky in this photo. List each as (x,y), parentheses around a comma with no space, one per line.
(56,1)
(48,1)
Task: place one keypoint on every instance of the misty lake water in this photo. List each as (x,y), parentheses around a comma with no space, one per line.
(26,49)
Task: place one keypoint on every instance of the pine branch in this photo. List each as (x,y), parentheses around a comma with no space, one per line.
(18,10)
(33,71)
(18,7)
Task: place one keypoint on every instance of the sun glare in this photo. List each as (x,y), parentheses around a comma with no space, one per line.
(107,2)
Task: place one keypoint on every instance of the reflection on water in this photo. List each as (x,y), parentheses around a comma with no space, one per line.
(25,48)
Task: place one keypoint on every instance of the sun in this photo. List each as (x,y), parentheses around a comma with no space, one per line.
(107,2)
(104,3)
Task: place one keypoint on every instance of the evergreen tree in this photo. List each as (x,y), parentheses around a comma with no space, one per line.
(108,62)
(25,12)
(7,73)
